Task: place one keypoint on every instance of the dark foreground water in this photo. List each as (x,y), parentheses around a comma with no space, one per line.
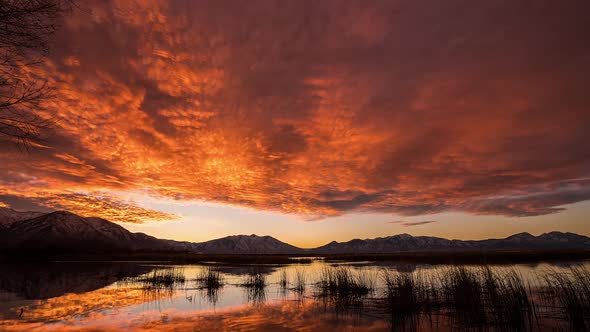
(155,297)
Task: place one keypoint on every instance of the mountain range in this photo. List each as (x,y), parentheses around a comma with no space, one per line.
(67,231)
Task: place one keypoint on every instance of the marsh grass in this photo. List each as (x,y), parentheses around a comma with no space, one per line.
(300,279)
(410,293)
(570,294)
(255,284)
(407,295)
(462,292)
(158,284)
(342,289)
(472,297)
(483,296)
(283,279)
(507,299)
(210,278)
(255,279)
(160,278)
(342,280)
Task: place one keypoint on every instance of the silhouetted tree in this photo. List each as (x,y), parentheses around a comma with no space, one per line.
(25,28)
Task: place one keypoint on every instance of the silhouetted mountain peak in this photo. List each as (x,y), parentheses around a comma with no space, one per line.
(62,213)
(402,236)
(556,233)
(63,229)
(524,236)
(9,216)
(563,237)
(247,244)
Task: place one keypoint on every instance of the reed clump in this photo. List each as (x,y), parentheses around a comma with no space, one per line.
(507,299)
(462,292)
(255,279)
(255,284)
(342,289)
(300,279)
(475,297)
(283,279)
(570,293)
(341,280)
(409,293)
(163,278)
(407,296)
(210,278)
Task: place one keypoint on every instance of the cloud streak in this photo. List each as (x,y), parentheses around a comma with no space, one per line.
(411,223)
(315,109)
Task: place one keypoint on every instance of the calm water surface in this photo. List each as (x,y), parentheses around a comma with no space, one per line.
(115,297)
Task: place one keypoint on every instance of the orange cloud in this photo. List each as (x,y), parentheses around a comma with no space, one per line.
(363,108)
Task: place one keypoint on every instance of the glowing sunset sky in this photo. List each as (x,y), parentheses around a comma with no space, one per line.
(315,121)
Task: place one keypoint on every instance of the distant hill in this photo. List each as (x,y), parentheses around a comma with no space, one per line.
(406,242)
(63,230)
(247,244)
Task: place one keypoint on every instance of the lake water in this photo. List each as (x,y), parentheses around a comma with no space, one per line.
(70,296)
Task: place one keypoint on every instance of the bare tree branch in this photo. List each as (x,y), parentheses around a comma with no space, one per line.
(25,28)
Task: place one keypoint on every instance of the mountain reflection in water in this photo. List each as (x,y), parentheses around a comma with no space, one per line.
(150,297)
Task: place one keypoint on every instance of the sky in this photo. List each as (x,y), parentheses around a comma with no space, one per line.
(314,121)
